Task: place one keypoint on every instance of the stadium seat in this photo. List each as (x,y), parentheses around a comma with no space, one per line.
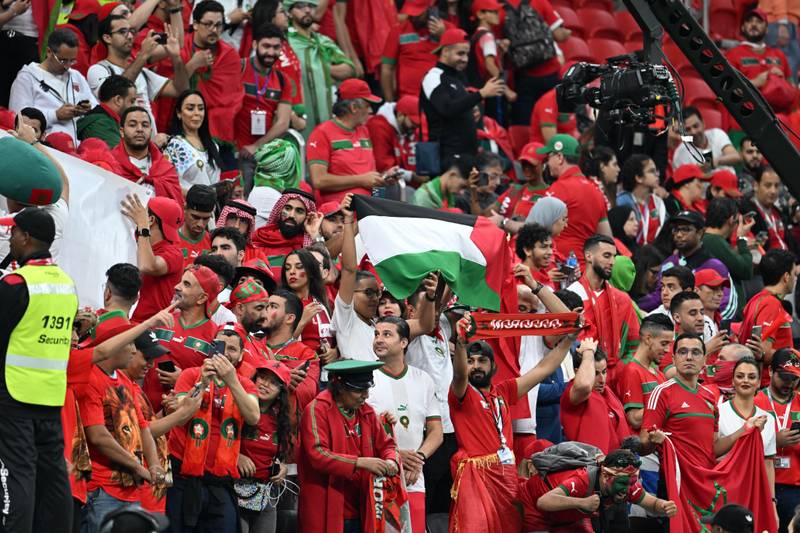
(565,3)
(607,5)
(519,137)
(571,21)
(605,48)
(576,49)
(627,25)
(697,93)
(724,19)
(633,45)
(712,117)
(600,24)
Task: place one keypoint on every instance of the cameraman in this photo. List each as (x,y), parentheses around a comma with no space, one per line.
(712,145)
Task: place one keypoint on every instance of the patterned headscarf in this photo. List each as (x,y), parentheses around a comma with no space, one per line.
(275,214)
(277,165)
(239,209)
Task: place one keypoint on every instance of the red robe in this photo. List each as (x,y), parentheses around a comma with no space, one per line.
(324,471)
(162,176)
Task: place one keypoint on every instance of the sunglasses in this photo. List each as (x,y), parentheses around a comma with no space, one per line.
(369,293)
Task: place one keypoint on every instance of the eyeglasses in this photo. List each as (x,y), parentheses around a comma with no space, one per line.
(369,293)
(124,32)
(683,229)
(63,62)
(213,26)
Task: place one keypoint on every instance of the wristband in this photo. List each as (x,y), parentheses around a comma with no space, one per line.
(424,457)
(430,299)
(174,10)
(538,289)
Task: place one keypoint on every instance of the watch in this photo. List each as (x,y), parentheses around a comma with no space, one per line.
(319,238)
(174,10)
(144,232)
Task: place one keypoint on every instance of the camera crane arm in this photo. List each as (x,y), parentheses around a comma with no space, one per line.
(744,102)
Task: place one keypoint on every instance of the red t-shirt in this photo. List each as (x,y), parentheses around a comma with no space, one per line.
(575,484)
(263,91)
(599,421)
(157,291)
(389,147)
(177,437)
(193,249)
(111,402)
(474,418)
(260,444)
(485,45)
(345,151)
(410,49)
(788,458)
(751,61)
(545,113)
(586,208)
(766,310)
(518,199)
(635,383)
(289,65)
(689,416)
(549,15)
(188,345)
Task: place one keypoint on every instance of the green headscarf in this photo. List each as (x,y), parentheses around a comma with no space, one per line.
(277,165)
(623,273)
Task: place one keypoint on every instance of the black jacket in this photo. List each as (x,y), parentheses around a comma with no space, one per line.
(448,109)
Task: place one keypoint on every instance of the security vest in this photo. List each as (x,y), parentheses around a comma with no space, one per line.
(39,346)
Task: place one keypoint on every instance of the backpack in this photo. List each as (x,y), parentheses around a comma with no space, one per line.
(569,455)
(530,36)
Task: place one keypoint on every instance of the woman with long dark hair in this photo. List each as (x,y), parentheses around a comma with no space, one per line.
(265,450)
(624,227)
(647,261)
(301,275)
(191,148)
(600,164)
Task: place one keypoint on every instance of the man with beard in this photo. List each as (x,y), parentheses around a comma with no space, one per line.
(241,215)
(225,272)
(116,33)
(609,312)
(140,159)
(189,341)
(447,103)
(266,109)
(485,482)
(688,228)
(248,302)
(322,62)
(293,223)
(752,163)
(712,141)
(408,53)
(768,218)
(228,243)
(332,227)
(199,208)
(758,61)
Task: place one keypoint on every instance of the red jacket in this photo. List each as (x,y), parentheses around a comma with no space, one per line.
(324,471)
(163,175)
(390,147)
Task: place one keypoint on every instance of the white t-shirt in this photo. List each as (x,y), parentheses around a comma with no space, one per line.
(687,153)
(710,328)
(432,354)
(148,83)
(410,397)
(353,336)
(531,350)
(730,422)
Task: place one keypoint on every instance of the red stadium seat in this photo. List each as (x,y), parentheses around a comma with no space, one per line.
(724,20)
(600,24)
(697,93)
(607,5)
(627,25)
(605,48)
(633,45)
(576,49)
(571,21)
(558,3)
(519,137)
(712,117)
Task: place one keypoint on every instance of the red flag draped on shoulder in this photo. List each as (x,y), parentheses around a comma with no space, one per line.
(739,478)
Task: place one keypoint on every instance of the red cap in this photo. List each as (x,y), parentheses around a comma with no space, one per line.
(755,12)
(330,208)
(728,182)
(710,278)
(108,325)
(209,282)
(170,214)
(415,8)
(353,88)
(83,8)
(529,154)
(276,367)
(62,142)
(106,9)
(409,106)
(688,172)
(485,5)
(536,446)
(450,37)
(229,175)
(234,327)
(792,364)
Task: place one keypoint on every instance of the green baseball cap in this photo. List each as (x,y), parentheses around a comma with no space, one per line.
(561,143)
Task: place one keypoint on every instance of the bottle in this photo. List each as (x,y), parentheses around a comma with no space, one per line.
(572,266)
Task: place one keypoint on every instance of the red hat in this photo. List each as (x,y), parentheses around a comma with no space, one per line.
(108,325)
(259,269)
(536,446)
(276,367)
(234,327)
(450,37)
(229,175)
(83,8)
(106,9)
(209,282)
(755,12)
(330,208)
(688,172)
(170,214)
(728,182)
(353,88)
(529,154)
(792,364)
(415,8)
(62,142)
(246,292)
(409,106)
(485,5)
(710,278)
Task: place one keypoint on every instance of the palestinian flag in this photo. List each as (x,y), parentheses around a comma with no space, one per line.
(406,242)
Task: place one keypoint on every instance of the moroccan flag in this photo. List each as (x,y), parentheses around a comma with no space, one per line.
(406,242)
(739,478)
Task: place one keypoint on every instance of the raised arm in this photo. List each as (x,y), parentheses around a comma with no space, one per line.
(544,368)
(347,279)
(460,367)
(584,377)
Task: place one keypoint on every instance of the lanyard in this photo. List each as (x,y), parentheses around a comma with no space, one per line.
(769,219)
(497,416)
(781,423)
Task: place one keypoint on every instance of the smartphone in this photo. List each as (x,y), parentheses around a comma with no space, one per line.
(795,426)
(161,38)
(483,179)
(304,366)
(166,366)
(83,103)
(218,348)
(750,215)
(709,157)
(756,332)
(433,12)
(762,237)
(275,469)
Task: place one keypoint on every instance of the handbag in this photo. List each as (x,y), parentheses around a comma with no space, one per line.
(427,158)
(252,495)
